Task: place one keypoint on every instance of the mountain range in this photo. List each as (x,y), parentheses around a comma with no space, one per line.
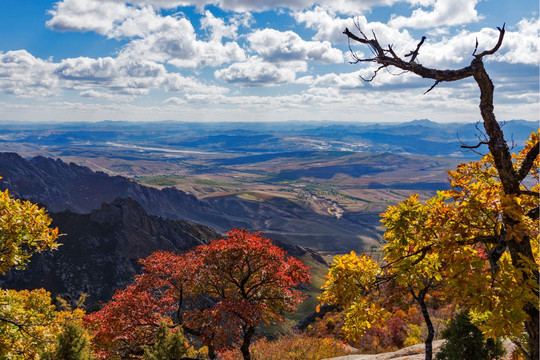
(60,186)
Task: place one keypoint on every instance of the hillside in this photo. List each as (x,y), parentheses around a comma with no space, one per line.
(61,186)
(100,250)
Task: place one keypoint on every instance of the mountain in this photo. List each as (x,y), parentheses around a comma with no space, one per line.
(420,137)
(60,186)
(99,250)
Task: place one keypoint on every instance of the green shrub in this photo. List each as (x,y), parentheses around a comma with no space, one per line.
(169,345)
(71,344)
(464,342)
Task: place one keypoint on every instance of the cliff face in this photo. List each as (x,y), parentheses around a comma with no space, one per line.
(60,186)
(100,250)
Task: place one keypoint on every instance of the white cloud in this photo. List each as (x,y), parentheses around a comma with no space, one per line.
(442,13)
(170,38)
(276,46)
(101,95)
(87,15)
(326,24)
(343,6)
(521,46)
(329,26)
(24,75)
(340,81)
(256,72)
(218,28)
(177,44)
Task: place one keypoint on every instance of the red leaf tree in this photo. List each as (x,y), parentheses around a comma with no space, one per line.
(219,292)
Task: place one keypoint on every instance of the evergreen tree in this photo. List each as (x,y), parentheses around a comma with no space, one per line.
(169,345)
(465,341)
(72,344)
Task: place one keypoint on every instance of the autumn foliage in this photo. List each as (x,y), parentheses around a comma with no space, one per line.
(454,246)
(218,292)
(24,230)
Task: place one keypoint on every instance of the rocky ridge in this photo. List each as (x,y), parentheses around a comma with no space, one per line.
(100,250)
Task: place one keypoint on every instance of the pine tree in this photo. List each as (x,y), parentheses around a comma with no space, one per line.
(72,344)
(169,345)
(465,341)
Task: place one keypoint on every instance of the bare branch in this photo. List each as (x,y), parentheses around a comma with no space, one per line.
(414,53)
(528,162)
(423,252)
(497,46)
(475,47)
(431,88)
(464,146)
(530,193)
(475,146)
(374,74)
(534,213)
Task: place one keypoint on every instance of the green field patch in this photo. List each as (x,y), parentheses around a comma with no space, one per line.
(161,180)
(212,182)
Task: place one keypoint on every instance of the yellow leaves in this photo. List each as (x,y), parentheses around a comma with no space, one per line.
(30,323)
(349,277)
(362,315)
(450,241)
(24,229)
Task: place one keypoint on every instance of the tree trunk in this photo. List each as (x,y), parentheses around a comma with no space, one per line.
(248,334)
(519,248)
(420,299)
(211,352)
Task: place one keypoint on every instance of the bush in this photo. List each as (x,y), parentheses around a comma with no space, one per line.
(292,347)
(464,341)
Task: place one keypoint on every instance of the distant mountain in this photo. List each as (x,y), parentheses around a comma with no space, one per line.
(60,186)
(420,137)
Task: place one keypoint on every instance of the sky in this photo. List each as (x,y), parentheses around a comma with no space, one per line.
(258,60)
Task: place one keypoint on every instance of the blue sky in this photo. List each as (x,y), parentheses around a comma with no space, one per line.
(257,60)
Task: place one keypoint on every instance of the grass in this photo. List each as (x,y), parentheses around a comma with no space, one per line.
(161,180)
(209,182)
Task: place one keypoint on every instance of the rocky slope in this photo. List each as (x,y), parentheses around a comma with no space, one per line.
(99,250)
(61,186)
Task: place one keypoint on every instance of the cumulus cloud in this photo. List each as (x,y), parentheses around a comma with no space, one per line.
(24,75)
(348,81)
(256,72)
(442,13)
(170,38)
(276,46)
(89,15)
(344,6)
(180,47)
(520,46)
(329,26)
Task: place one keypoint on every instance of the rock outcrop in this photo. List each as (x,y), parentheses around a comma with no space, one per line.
(100,250)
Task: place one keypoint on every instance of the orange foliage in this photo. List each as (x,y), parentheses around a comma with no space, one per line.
(218,292)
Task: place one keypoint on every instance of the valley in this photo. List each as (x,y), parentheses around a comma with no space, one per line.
(319,185)
(122,193)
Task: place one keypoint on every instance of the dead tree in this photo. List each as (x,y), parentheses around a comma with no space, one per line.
(510,178)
